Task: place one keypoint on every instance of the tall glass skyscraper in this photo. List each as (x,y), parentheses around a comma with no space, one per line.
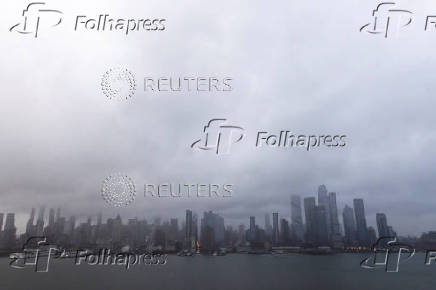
(188,228)
(320,227)
(309,209)
(362,229)
(216,223)
(297,217)
(1,221)
(9,232)
(382,225)
(51,217)
(335,228)
(349,226)
(275,234)
(268,227)
(251,234)
(323,200)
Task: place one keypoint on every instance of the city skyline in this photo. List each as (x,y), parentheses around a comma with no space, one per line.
(21,219)
(313,220)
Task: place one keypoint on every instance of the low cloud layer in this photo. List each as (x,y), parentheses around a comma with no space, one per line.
(302,67)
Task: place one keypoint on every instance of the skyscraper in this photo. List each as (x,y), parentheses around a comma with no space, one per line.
(99,218)
(241,234)
(9,232)
(335,230)
(30,228)
(268,227)
(51,218)
(382,225)
(251,233)
(349,226)
(40,222)
(117,226)
(58,214)
(372,236)
(1,221)
(72,223)
(309,207)
(275,233)
(174,229)
(69,226)
(362,230)
(10,221)
(195,228)
(297,218)
(252,223)
(207,237)
(323,200)
(284,232)
(392,233)
(320,226)
(216,223)
(334,220)
(188,229)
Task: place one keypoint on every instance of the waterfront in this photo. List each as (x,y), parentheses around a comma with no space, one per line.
(234,271)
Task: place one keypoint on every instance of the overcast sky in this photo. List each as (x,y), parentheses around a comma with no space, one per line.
(297,66)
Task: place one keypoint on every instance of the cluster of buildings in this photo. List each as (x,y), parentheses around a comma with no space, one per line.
(7,231)
(314,222)
(322,227)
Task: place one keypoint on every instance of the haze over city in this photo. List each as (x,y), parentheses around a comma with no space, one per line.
(61,137)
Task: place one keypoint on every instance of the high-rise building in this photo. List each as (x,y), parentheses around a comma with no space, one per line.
(10,222)
(309,208)
(334,219)
(1,221)
(268,227)
(60,226)
(208,244)
(323,200)
(252,231)
(216,223)
(132,231)
(58,214)
(159,238)
(72,223)
(320,226)
(349,226)
(241,234)
(41,213)
(40,222)
(174,224)
(49,231)
(99,219)
(252,223)
(188,229)
(382,225)
(275,233)
(284,232)
(68,229)
(372,236)
(391,231)
(297,218)
(116,229)
(361,227)
(195,227)
(9,232)
(174,229)
(335,228)
(30,228)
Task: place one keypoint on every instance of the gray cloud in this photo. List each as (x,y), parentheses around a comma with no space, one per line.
(296,66)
